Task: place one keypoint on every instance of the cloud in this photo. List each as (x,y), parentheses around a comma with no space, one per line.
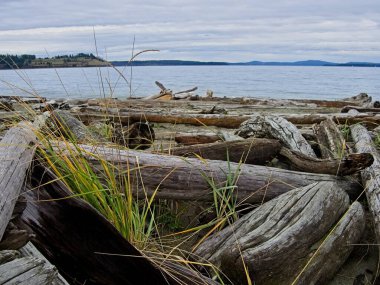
(199,30)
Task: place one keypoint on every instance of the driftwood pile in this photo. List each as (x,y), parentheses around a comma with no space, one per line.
(304,176)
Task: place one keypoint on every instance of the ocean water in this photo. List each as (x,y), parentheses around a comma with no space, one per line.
(332,83)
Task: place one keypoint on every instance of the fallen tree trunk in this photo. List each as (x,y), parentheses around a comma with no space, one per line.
(189,178)
(289,240)
(370,175)
(249,151)
(270,126)
(347,165)
(225,121)
(16,155)
(92,251)
(330,140)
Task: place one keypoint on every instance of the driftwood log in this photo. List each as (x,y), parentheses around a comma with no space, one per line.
(90,114)
(298,238)
(250,151)
(83,244)
(16,155)
(346,109)
(186,178)
(350,164)
(330,140)
(278,128)
(370,175)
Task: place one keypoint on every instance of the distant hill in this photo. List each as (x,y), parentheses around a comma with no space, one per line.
(89,60)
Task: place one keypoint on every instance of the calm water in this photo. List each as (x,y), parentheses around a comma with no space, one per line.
(231,81)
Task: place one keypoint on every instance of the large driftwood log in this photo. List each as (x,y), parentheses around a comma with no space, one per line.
(83,245)
(251,151)
(347,165)
(370,175)
(188,178)
(90,114)
(16,155)
(278,128)
(330,140)
(288,239)
(346,109)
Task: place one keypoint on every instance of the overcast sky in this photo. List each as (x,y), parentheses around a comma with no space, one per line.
(216,30)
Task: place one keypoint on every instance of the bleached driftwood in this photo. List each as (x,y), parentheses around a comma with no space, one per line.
(330,140)
(370,175)
(188,178)
(16,155)
(278,128)
(298,237)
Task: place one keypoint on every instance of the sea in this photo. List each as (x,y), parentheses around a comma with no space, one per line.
(282,82)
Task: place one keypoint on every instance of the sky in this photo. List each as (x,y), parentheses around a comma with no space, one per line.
(232,31)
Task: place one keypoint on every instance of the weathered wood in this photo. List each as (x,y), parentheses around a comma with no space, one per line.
(29,250)
(8,255)
(361,98)
(27,271)
(330,140)
(16,155)
(361,109)
(277,240)
(14,239)
(347,165)
(196,138)
(370,175)
(72,128)
(278,128)
(335,248)
(185,178)
(225,121)
(250,151)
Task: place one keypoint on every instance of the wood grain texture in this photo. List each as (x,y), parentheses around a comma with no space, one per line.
(277,239)
(16,155)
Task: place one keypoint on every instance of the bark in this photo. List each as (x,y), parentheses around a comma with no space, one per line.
(278,128)
(94,252)
(347,165)
(330,140)
(196,138)
(189,178)
(16,154)
(249,151)
(288,239)
(370,175)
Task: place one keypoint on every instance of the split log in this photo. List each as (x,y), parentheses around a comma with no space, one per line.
(249,151)
(278,128)
(224,121)
(289,239)
(16,155)
(330,140)
(370,175)
(93,252)
(181,178)
(347,165)
(196,138)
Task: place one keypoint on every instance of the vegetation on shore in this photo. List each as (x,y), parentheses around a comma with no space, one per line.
(31,61)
